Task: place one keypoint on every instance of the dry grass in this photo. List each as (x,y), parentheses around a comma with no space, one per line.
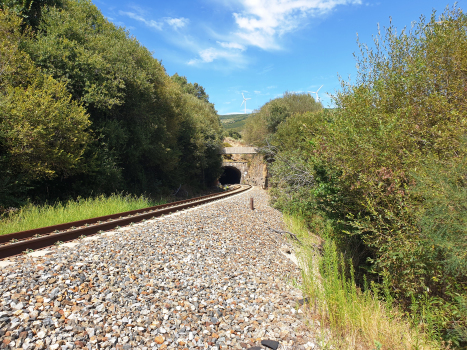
(356,319)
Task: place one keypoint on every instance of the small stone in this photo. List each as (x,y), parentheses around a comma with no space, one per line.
(69,245)
(159,339)
(5,263)
(196,279)
(272,344)
(41,334)
(79,344)
(93,339)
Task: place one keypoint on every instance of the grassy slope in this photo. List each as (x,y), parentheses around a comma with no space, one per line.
(233,121)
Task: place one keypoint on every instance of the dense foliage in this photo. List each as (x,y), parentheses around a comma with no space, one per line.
(387,168)
(266,120)
(43,133)
(86,109)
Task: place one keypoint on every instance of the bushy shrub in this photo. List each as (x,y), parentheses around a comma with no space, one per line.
(387,165)
(43,133)
(234,134)
(267,119)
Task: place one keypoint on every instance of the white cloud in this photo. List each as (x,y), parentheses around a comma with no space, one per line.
(261,22)
(207,55)
(177,22)
(257,23)
(149,23)
(231,45)
(210,54)
(257,92)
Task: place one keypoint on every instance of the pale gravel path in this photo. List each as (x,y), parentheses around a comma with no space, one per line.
(209,278)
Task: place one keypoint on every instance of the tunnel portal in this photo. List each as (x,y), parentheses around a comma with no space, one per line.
(231,175)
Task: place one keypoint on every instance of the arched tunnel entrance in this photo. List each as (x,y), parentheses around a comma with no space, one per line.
(231,175)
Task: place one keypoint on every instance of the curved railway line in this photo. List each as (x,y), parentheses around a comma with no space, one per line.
(19,242)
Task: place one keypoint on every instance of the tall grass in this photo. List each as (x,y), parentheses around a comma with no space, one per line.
(32,216)
(357,319)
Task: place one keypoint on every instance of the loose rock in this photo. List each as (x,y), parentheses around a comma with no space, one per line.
(206,278)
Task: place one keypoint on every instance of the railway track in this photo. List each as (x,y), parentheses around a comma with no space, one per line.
(19,242)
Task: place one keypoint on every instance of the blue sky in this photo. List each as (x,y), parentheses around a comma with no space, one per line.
(261,47)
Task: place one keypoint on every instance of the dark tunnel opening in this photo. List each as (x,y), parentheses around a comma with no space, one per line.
(231,175)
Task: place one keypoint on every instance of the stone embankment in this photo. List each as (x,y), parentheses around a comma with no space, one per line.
(206,278)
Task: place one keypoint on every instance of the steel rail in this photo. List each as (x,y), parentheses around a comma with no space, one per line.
(29,242)
(99,219)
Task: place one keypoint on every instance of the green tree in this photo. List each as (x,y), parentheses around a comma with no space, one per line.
(141,137)
(202,139)
(29,10)
(133,105)
(42,130)
(43,133)
(192,89)
(267,119)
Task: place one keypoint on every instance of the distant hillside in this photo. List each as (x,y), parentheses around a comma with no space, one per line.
(233,121)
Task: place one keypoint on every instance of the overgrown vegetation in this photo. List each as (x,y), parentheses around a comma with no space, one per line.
(267,119)
(386,170)
(84,108)
(31,216)
(359,316)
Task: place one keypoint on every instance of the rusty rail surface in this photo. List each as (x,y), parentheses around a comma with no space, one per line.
(18,242)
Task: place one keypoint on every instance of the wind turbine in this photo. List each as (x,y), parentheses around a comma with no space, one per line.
(244,101)
(316,92)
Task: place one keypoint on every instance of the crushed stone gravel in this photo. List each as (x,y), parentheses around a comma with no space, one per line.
(207,278)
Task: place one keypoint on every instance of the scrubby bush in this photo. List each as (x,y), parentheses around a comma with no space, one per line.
(266,120)
(234,134)
(387,166)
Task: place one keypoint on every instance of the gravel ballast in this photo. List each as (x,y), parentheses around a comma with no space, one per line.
(206,278)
